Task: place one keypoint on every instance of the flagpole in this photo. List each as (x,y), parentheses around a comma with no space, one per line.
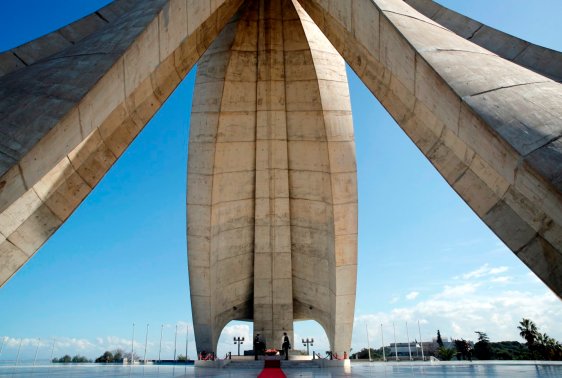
(186,340)
(36,351)
(145,343)
(395,345)
(408,336)
(133,346)
(18,356)
(175,343)
(421,341)
(3,342)
(368,344)
(382,341)
(160,349)
(53,348)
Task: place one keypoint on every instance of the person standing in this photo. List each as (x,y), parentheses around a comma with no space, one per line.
(257,346)
(286,345)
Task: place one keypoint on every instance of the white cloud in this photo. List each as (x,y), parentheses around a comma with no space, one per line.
(459,310)
(501,279)
(412,295)
(498,270)
(484,270)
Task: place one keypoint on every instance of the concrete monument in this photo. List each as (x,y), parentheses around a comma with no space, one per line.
(272,203)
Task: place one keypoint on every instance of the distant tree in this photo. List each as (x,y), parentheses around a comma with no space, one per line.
(463,349)
(181,357)
(547,347)
(482,349)
(363,354)
(127,355)
(528,330)
(118,355)
(80,359)
(445,354)
(106,358)
(66,359)
(439,339)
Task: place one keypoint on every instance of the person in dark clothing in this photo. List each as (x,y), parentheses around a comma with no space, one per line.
(257,346)
(286,345)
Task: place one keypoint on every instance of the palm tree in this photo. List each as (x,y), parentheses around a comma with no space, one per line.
(528,331)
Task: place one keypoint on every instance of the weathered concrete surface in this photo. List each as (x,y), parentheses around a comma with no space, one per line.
(489,126)
(63,38)
(540,59)
(272,189)
(66,118)
(272,197)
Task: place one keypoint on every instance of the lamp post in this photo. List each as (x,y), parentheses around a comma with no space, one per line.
(308,343)
(239,341)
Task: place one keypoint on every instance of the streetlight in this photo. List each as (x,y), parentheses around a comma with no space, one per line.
(239,341)
(308,343)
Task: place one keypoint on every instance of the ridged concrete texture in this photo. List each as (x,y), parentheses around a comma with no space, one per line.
(491,127)
(272,197)
(272,205)
(71,110)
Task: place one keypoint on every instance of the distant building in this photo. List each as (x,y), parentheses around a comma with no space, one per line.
(429,347)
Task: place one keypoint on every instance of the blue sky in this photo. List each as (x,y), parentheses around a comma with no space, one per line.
(121,257)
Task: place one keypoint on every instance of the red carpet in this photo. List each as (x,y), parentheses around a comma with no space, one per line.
(272,373)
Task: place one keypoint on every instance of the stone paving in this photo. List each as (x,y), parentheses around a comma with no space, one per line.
(512,369)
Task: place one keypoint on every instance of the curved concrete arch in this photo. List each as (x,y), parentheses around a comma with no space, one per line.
(540,59)
(272,198)
(64,120)
(490,127)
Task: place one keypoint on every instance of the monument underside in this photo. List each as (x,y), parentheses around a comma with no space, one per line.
(271,181)
(272,194)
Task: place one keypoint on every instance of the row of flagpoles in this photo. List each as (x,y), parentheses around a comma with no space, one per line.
(395,343)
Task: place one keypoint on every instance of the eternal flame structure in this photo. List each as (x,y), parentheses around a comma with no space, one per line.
(272,192)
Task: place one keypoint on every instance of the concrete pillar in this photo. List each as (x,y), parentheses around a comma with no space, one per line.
(275,88)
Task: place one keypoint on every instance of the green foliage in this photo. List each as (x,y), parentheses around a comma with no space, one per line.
(540,345)
(181,357)
(106,357)
(528,330)
(80,359)
(482,336)
(118,355)
(464,351)
(66,359)
(115,356)
(439,339)
(509,350)
(376,354)
(445,354)
(482,349)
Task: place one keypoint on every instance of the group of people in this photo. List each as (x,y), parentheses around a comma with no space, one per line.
(259,345)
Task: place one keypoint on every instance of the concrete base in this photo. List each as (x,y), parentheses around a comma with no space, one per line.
(326,364)
(290,364)
(218,364)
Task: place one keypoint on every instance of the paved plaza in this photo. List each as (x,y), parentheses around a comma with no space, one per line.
(511,369)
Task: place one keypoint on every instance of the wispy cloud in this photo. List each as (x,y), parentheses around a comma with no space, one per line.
(483,271)
(501,279)
(412,295)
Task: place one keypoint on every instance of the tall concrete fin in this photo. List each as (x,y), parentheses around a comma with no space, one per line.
(221,180)
(68,115)
(491,127)
(540,59)
(272,196)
